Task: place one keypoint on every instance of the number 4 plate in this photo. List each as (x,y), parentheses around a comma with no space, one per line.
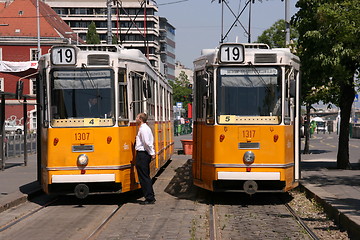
(63,55)
(231,53)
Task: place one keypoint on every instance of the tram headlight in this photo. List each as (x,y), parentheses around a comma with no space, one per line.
(83,159)
(249,157)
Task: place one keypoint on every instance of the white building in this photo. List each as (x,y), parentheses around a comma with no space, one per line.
(134,22)
(181,68)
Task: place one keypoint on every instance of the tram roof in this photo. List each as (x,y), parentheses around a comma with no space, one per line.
(133,55)
(257,54)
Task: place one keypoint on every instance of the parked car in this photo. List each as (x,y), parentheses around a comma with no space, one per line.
(12,127)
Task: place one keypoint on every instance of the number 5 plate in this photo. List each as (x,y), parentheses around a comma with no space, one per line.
(63,55)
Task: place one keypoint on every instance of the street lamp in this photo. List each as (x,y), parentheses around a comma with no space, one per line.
(77,36)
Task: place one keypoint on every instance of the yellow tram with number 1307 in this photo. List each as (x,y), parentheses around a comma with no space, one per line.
(88,98)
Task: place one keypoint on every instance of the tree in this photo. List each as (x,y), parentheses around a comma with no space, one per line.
(330,56)
(115,39)
(92,37)
(275,35)
(181,89)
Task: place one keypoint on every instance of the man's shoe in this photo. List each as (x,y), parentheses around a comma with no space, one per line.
(146,202)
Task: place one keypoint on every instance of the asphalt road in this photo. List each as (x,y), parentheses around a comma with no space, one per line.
(325,147)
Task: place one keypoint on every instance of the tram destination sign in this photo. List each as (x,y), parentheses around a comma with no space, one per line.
(231,53)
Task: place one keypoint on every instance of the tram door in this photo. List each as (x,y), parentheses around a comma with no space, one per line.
(203,81)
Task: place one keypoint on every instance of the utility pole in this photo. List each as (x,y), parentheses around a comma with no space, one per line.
(249,34)
(287,23)
(109,25)
(38,29)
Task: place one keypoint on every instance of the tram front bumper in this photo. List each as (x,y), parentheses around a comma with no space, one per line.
(83,178)
(249,176)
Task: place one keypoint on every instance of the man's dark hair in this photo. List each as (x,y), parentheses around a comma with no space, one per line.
(143,117)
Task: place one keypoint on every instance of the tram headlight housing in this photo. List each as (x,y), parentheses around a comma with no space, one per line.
(83,159)
(249,157)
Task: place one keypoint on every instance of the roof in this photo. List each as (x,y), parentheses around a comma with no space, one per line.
(19,19)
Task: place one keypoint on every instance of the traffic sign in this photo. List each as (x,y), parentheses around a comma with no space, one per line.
(179,104)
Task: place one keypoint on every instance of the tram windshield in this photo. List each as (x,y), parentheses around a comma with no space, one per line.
(82,94)
(250,95)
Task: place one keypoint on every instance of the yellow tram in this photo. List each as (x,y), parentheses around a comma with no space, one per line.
(88,98)
(246,119)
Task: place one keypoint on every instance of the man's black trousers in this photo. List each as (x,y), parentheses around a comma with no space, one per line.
(143,160)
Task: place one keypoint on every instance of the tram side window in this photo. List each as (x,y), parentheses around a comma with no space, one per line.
(287,105)
(150,103)
(171,103)
(200,93)
(42,95)
(210,100)
(136,95)
(123,105)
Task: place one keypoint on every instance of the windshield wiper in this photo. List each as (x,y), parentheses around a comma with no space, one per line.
(260,77)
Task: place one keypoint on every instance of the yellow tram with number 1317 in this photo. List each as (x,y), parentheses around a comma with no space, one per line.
(246,119)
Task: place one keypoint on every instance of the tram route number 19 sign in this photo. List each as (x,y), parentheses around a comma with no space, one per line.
(231,53)
(63,55)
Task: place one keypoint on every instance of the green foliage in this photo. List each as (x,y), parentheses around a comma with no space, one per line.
(327,46)
(275,35)
(115,40)
(181,89)
(92,37)
(329,31)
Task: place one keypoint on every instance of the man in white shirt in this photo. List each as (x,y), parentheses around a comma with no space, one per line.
(145,152)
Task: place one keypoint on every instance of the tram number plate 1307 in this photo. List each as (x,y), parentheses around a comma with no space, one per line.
(83,136)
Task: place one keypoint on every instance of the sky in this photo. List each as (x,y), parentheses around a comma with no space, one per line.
(198,22)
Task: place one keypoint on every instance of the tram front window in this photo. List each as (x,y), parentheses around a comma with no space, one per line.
(82,93)
(244,93)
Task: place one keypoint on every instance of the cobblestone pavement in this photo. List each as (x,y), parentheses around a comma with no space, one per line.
(254,219)
(177,213)
(182,211)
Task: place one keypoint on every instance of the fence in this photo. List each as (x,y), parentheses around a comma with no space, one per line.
(355,131)
(182,129)
(13,146)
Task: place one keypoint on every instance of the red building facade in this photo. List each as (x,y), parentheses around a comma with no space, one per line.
(19,43)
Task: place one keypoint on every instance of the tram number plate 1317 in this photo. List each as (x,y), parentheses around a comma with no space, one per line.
(252,133)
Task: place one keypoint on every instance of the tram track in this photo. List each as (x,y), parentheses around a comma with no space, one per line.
(25,216)
(302,223)
(251,216)
(97,230)
(81,219)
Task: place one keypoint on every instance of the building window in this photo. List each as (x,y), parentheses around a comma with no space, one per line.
(34,54)
(33,120)
(32,86)
(2,84)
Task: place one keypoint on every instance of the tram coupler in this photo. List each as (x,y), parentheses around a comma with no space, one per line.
(81,191)
(250,187)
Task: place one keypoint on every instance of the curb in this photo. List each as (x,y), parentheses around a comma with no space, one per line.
(17,198)
(340,219)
